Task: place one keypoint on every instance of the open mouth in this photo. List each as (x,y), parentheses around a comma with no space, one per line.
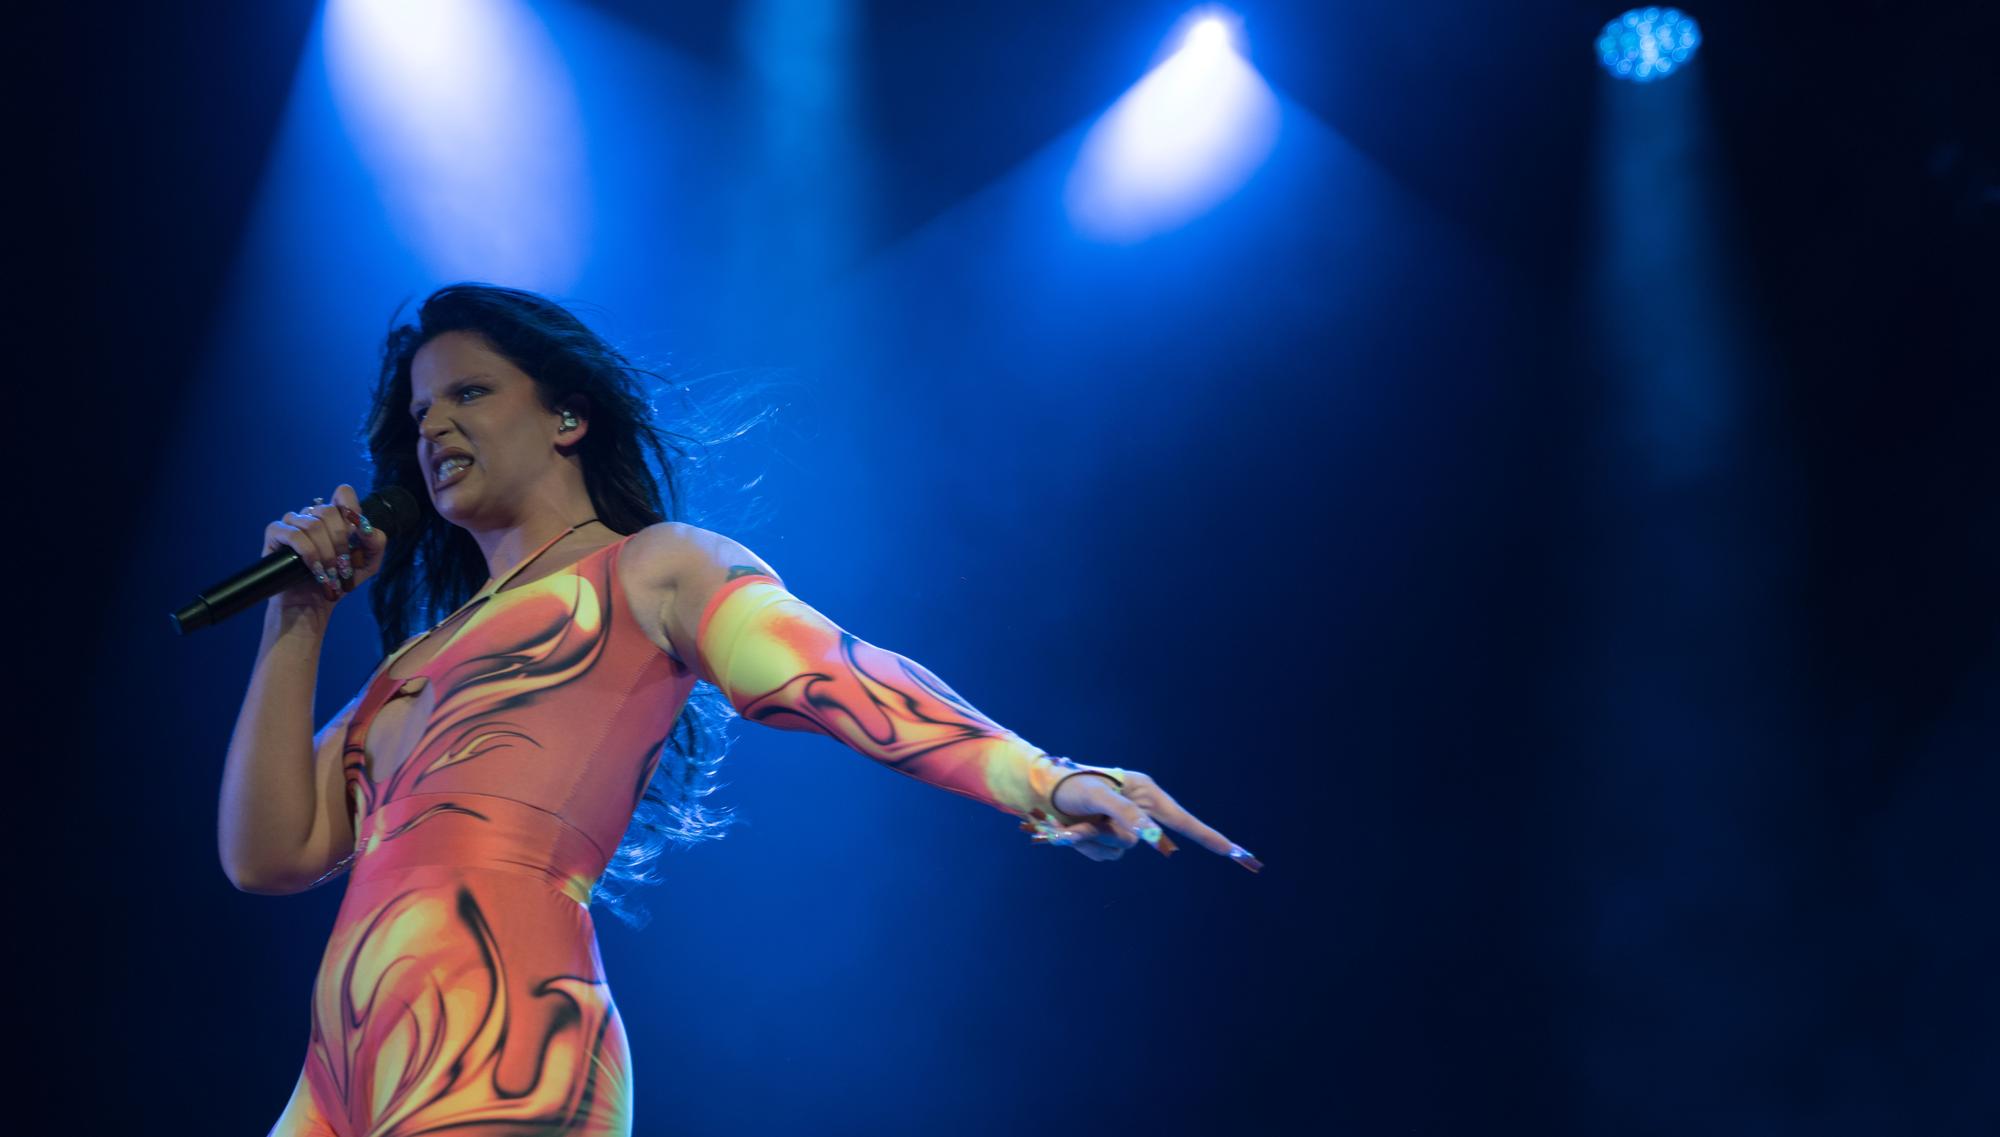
(449,469)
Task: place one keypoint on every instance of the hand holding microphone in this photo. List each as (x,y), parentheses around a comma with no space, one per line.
(338,543)
(313,556)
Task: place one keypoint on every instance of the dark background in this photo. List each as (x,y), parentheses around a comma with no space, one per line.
(1591,802)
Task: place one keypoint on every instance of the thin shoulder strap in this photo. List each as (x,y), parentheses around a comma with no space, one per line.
(497,585)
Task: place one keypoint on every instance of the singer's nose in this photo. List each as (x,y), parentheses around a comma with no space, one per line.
(433,427)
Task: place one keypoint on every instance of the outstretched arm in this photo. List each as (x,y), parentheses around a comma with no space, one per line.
(785,665)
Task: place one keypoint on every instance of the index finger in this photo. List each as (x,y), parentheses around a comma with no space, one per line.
(372,537)
(345,497)
(1164,808)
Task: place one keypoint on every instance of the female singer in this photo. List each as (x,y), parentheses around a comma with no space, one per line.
(502,766)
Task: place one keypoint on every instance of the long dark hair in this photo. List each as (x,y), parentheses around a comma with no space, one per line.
(636,473)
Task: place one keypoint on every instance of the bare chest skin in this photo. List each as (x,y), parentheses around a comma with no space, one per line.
(397,728)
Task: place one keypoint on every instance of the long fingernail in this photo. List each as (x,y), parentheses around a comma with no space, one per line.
(319,570)
(367,526)
(1242,857)
(1150,835)
(346,566)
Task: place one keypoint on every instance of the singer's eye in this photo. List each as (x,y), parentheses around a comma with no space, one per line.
(461,392)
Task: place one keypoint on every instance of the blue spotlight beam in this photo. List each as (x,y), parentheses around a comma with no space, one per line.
(466,116)
(1179,142)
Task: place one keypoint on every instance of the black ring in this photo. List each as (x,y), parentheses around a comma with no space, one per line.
(1066,777)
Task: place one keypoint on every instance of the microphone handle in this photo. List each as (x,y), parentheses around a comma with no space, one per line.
(279,570)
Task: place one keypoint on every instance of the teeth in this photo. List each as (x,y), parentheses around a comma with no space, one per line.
(450,466)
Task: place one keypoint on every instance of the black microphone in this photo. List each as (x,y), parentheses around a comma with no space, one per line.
(392,510)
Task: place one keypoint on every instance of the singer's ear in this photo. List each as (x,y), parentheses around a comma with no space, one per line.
(567,437)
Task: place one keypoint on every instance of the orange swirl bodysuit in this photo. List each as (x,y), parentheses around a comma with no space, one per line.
(462,990)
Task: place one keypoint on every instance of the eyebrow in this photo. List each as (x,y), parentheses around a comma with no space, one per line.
(453,386)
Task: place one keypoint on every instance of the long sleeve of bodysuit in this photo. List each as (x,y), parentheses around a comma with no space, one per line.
(783,664)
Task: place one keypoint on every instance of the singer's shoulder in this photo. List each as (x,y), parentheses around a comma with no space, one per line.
(669,573)
(675,553)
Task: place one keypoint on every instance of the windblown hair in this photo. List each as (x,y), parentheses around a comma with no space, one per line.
(636,473)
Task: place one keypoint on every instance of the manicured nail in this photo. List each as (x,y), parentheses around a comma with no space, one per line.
(367,526)
(1150,835)
(346,567)
(1242,857)
(319,570)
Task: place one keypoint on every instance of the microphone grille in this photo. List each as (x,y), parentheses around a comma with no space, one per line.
(391,509)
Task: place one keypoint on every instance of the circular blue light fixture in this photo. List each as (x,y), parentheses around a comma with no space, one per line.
(1648,43)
